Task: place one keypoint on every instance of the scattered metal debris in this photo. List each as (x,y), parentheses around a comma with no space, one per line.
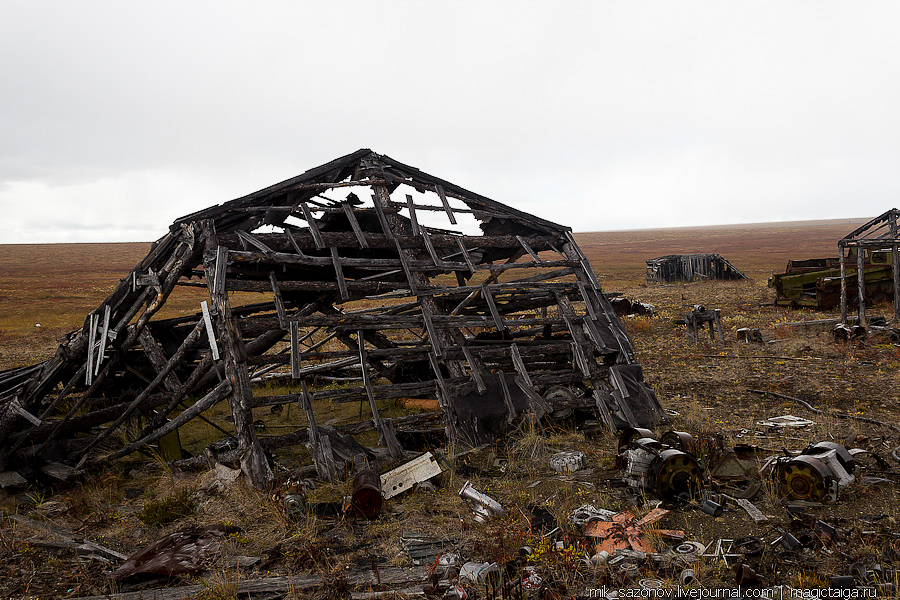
(407,475)
(785,421)
(423,549)
(624,531)
(482,505)
(567,462)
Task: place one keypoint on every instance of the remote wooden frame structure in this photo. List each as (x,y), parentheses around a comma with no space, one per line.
(358,282)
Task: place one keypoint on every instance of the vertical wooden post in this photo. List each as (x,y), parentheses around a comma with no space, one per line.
(253,460)
(895,263)
(841,251)
(861,283)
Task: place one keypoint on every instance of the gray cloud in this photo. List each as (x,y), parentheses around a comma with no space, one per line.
(116,118)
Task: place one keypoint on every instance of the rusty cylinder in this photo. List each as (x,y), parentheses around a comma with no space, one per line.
(367,493)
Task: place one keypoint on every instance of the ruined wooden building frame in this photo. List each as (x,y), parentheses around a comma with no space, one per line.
(364,274)
(691,267)
(878,234)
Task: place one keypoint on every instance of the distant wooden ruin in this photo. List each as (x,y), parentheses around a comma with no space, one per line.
(366,270)
(690,267)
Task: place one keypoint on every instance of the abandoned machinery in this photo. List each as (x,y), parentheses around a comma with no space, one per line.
(676,466)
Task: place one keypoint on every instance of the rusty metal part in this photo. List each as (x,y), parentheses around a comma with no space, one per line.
(624,531)
(712,508)
(367,496)
(745,575)
(633,434)
(680,440)
(843,455)
(482,505)
(678,475)
(805,478)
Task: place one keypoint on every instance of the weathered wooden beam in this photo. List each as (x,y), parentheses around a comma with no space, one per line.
(388,438)
(313,227)
(414,221)
(354,224)
(440,192)
(156,357)
(339,273)
(253,461)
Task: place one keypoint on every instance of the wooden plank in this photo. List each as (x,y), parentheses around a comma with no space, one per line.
(210,332)
(294,244)
(313,227)
(475,368)
(354,224)
(92,335)
(413,219)
(295,349)
(101,349)
(339,273)
(388,437)
(507,398)
(440,192)
(621,392)
(519,364)
(492,307)
(267,587)
(438,262)
(219,270)
(254,242)
(279,303)
(528,249)
(382,218)
(465,254)
(320,445)
(411,279)
(433,339)
(157,359)
(861,285)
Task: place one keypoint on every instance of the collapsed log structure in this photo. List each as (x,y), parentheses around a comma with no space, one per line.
(691,267)
(875,243)
(367,270)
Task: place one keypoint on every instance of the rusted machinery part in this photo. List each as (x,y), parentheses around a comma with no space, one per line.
(680,440)
(634,433)
(844,457)
(367,496)
(805,478)
(678,474)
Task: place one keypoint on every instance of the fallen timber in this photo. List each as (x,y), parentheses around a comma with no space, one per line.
(348,282)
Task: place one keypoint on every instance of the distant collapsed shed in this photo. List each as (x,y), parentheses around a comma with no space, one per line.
(690,267)
(363,274)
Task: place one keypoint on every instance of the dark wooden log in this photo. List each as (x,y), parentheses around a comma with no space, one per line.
(253,461)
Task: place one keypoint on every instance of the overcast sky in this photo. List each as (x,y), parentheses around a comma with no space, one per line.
(118,117)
